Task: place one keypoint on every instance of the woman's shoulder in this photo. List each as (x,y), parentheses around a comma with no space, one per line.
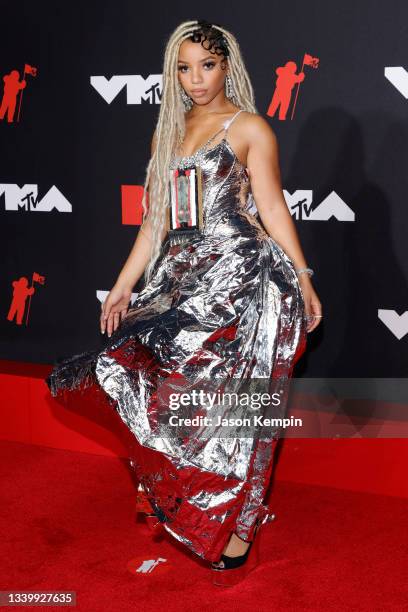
(255,125)
(252,133)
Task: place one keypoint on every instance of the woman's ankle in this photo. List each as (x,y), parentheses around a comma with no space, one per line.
(236,546)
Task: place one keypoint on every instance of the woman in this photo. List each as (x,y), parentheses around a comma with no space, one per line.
(228,299)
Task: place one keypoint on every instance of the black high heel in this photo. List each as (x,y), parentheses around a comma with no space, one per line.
(229,571)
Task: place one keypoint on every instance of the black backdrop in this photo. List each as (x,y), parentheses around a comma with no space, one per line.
(347,139)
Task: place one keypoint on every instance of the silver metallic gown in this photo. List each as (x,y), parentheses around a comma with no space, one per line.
(227,307)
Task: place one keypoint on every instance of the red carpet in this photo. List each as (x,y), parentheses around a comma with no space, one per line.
(68,523)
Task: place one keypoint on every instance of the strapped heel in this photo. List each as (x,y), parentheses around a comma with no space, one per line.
(232,570)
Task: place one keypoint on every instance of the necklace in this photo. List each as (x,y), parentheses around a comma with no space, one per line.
(196,158)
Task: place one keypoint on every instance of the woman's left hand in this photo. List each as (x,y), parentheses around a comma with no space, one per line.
(313,306)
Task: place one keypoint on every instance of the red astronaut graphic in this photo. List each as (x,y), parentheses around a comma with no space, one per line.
(21,291)
(286,81)
(12,87)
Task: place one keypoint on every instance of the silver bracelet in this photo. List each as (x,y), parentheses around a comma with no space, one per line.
(308,271)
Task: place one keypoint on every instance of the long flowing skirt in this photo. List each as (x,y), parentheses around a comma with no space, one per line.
(223,314)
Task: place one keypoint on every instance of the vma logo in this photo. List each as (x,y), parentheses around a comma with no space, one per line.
(26,198)
(397,324)
(138,89)
(287,86)
(142,568)
(398,76)
(22,291)
(13,91)
(300,204)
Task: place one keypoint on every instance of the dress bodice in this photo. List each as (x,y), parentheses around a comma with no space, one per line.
(228,203)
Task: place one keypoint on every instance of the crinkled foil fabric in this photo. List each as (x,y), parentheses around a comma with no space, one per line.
(224,306)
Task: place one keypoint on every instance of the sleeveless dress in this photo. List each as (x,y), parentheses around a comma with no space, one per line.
(225,306)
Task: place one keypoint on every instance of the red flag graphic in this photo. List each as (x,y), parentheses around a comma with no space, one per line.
(30,69)
(37,277)
(309,60)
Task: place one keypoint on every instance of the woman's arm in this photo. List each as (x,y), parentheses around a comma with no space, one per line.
(138,258)
(117,303)
(264,173)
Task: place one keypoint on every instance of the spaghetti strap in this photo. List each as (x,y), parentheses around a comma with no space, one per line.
(228,122)
(225,127)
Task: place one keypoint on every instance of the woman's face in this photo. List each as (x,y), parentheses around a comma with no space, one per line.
(201,73)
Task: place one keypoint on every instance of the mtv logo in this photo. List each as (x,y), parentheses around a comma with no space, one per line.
(26,198)
(300,204)
(138,89)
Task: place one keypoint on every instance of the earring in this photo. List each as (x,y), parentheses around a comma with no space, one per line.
(229,88)
(187,101)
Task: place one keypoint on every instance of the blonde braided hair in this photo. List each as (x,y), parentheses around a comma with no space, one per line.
(170,127)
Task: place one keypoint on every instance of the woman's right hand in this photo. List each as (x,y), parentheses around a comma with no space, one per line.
(114,308)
